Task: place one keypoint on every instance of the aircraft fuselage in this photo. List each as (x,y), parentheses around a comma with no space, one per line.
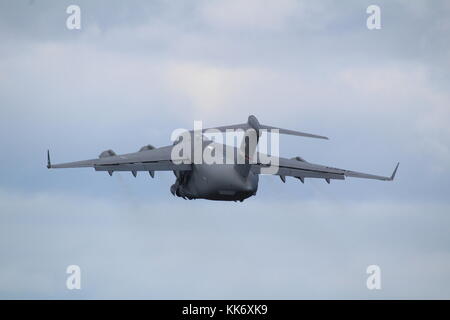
(215,182)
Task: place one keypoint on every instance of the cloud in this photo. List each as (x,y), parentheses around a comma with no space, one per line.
(405,92)
(301,249)
(260,15)
(205,87)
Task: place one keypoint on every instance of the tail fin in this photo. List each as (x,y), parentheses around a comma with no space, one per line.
(250,140)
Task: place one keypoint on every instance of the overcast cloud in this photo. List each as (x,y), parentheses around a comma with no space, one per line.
(136,71)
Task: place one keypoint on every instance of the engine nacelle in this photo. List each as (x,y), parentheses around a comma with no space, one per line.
(107,153)
(146,148)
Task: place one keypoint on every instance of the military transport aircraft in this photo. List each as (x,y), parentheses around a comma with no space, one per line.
(232,180)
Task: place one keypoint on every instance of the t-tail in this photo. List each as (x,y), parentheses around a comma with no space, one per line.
(253,130)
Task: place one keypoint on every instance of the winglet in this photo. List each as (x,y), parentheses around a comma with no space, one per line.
(49,164)
(395,171)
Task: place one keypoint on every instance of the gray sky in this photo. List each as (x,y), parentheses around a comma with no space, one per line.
(136,71)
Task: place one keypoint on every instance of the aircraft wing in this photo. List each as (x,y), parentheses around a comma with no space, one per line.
(147,159)
(299,168)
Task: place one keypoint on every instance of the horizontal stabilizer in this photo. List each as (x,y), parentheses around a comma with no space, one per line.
(253,123)
(293,133)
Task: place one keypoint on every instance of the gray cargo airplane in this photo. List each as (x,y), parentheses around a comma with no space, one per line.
(225,181)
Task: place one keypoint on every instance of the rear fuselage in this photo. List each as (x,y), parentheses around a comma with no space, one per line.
(216,182)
